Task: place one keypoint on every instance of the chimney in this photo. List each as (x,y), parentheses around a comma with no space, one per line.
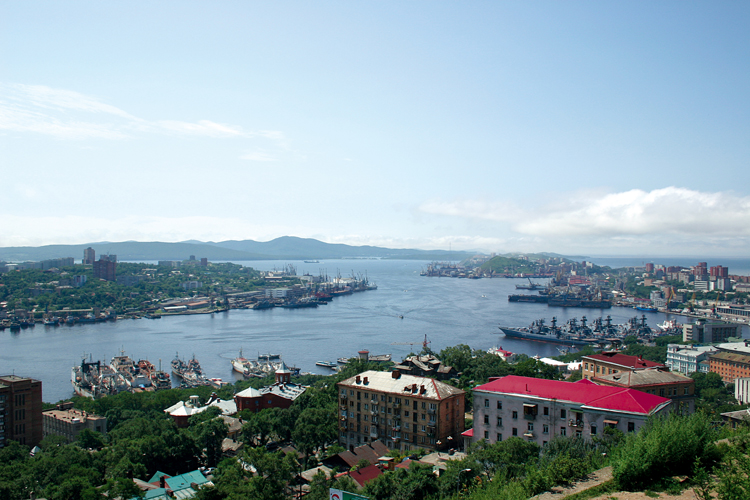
(414,388)
(422,390)
(359,380)
(366,381)
(396,374)
(163,482)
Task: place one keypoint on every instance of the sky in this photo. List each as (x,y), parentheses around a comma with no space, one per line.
(589,128)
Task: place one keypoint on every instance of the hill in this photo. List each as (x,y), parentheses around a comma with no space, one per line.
(286,247)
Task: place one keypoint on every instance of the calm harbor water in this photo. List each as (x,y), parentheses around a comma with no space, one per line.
(449,311)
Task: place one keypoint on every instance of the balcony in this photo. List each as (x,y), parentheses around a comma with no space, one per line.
(529,416)
(575,423)
(396,427)
(432,411)
(373,412)
(343,396)
(373,432)
(528,434)
(396,405)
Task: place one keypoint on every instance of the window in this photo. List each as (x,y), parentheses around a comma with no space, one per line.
(631,426)
(486,403)
(367,407)
(406,413)
(515,431)
(499,421)
(424,405)
(545,429)
(593,430)
(515,414)
(586,366)
(562,414)
(499,437)
(686,392)
(546,410)
(563,431)
(661,392)
(486,434)
(499,405)
(597,369)
(486,419)
(531,426)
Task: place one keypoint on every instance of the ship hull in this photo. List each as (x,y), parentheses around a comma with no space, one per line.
(511,333)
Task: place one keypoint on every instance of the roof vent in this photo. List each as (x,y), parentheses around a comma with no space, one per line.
(396,374)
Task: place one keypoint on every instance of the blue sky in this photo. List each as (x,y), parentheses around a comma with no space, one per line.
(574,127)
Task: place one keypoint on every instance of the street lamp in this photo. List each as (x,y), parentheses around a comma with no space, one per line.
(458,480)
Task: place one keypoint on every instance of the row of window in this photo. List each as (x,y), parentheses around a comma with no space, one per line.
(527,411)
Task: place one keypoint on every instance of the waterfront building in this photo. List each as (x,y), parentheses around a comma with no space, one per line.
(538,409)
(708,332)
(409,412)
(281,394)
(734,311)
(20,410)
(687,359)
(68,422)
(607,363)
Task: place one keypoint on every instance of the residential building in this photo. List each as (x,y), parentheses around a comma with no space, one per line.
(89,256)
(409,411)
(20,410)
(730,365)
(105,269)
(539,409)
(708,332)
(686,359)
(278,395)
(165,487)
(736,418)
(607,363)
(68,422)
(679,388)
(372,452)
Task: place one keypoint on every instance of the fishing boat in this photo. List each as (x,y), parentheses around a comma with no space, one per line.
(327,364)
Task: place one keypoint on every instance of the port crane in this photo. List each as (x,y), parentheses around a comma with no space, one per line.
(424,343)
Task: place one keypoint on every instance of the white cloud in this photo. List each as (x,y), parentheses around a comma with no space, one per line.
(66,114)
(667,211)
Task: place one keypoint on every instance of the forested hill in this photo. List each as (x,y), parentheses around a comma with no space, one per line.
(286,247)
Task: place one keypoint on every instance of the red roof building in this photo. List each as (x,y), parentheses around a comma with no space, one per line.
(607,363)
(539,409)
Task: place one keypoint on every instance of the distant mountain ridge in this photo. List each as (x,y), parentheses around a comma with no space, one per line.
(285,247)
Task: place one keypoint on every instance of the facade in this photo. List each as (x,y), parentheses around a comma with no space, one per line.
(409,412)
(105,269)
(679,388)
(20,410)
(68,422)
(733,311)
(539,409)
(742,390)
(279,395)
(708,332)
(730,365)
(687,359)
(607,363)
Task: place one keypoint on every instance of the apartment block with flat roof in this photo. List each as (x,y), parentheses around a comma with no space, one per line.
(20,410)
(406,411)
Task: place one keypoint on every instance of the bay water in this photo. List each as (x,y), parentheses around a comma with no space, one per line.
(404,309)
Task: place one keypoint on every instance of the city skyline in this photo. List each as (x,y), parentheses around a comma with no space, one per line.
(576,128)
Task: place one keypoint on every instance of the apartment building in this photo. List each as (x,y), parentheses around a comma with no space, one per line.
(730,365)
(20,410)
(679,388)
(539,409)
(68,422)
(406,411)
